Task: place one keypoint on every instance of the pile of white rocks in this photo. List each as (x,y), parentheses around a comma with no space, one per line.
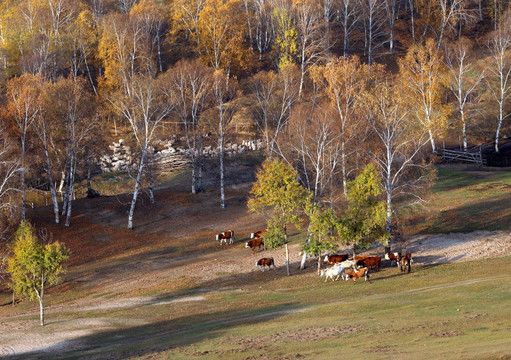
(170,156)
(119,161)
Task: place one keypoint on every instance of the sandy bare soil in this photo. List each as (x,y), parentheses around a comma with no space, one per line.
(14,334)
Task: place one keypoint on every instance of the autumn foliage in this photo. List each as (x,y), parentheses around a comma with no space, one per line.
(321,83)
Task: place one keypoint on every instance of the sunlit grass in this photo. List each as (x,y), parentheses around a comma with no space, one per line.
(465,199)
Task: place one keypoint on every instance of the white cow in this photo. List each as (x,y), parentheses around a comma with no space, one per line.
(348,264)
(332,271)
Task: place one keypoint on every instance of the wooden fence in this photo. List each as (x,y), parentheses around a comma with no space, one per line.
(473,155)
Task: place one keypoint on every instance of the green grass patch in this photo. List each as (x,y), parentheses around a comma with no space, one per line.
(465,199)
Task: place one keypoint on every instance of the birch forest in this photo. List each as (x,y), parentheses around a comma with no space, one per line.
(327,86)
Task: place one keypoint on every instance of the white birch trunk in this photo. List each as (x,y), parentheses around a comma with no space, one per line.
(71,188)
(287,259)
(432,141)
(23,185)
(135,192)
(40,296)
(222,171)
(53,192)
(499,126)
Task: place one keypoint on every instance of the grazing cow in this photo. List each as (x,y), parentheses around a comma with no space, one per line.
(394,256)
(406,261)
(348,264)
(359,273)
(357,258)
(265,262)
(257,234)
(255,243)
(224,236)
(370,261)
(332,271)
(332,259)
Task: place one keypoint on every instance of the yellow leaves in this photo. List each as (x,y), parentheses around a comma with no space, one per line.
(277,189)
(23,100)
(344,77)
(144,7)
(32,262)
(286,37)
(221,34)
(423,82)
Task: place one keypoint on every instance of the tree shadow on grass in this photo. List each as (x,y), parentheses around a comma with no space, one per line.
(491,215)
(156,337)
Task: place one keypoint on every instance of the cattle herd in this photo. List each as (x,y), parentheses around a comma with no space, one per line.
(338,265)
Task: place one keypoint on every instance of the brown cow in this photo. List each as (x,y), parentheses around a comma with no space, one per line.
(265,262)
(224,236)
(358,258)
(255,243)
(406,261)
(257,234)
(335,258)
(370,261)
(359,273)
(394,256)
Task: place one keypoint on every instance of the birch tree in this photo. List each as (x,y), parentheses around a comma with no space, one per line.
(391,9)
(22,107)
(279,197)
(423,81)
(143,109)
(126,5)
(374,26)
(223,90)
(275,95)
(134,92)
(10,168)
(315,139)
(82,38)
(323,230)
(221,35)
(450,12)
(348,17)
(363,222)
(343,79)
(462,83)
(398,142)
(185,16)
(264,35)
(285,33)
(328,7)
(48,130)
(73,106)
(150,14)
(188,87)
(35,265)
(311,42)
(499,73)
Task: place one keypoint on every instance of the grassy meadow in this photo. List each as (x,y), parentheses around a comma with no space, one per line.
(458,310)
(453,311)
(465,198)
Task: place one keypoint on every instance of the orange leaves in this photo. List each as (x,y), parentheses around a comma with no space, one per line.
(422,77)
(221,34)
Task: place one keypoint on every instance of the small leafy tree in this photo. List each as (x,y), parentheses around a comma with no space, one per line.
(323,232)
(279,197)
(34,264)
(365,218)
